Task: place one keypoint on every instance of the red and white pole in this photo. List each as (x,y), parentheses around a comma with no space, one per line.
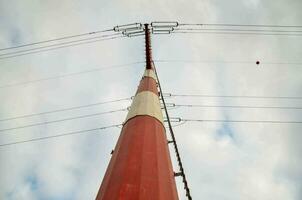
(140,166)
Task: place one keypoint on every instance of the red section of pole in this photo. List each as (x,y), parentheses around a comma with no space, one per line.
(148,47)
(140,167)
(147,84)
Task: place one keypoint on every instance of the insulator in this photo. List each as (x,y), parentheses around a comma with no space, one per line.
(164,24)
(134,35)
(163,29)
(156,32)
(134,26)
(128,32)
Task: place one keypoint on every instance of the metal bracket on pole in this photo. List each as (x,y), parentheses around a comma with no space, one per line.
(168,105)
(178,174)
(138,29)
(167,94)
(173,119)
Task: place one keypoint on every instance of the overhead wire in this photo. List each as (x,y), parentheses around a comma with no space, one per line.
(57,44)
(139,62)
(70,74)
(62,109)
(60,120)
(56,39)
(240,25)
(58,135)
(234,96)
(180,24)
(237,106)
(242,121)
(239,30)
(224,62)
(233,33)
(60,47)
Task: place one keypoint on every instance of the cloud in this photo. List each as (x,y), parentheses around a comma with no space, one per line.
(222,161)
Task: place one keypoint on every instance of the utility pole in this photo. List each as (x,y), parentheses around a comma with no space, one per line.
(140,167)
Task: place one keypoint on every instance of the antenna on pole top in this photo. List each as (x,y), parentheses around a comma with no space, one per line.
(148,47)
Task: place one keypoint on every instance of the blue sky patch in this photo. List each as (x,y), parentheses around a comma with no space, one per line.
(225,130)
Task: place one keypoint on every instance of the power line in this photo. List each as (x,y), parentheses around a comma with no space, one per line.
(233,96)
(182,24)
(202,61)
(239,30)
(70,74)
(58,135)
(58,44)
(139,62)
(232,62)
(241,25)
(61,120)
(233,33)
(60,47)
(63,109)
(240,121)
(235,106)
(57,39)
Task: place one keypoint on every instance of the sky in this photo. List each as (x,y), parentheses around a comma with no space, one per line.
(230,161)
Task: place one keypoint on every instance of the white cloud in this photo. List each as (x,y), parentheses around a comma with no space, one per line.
(259,162)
